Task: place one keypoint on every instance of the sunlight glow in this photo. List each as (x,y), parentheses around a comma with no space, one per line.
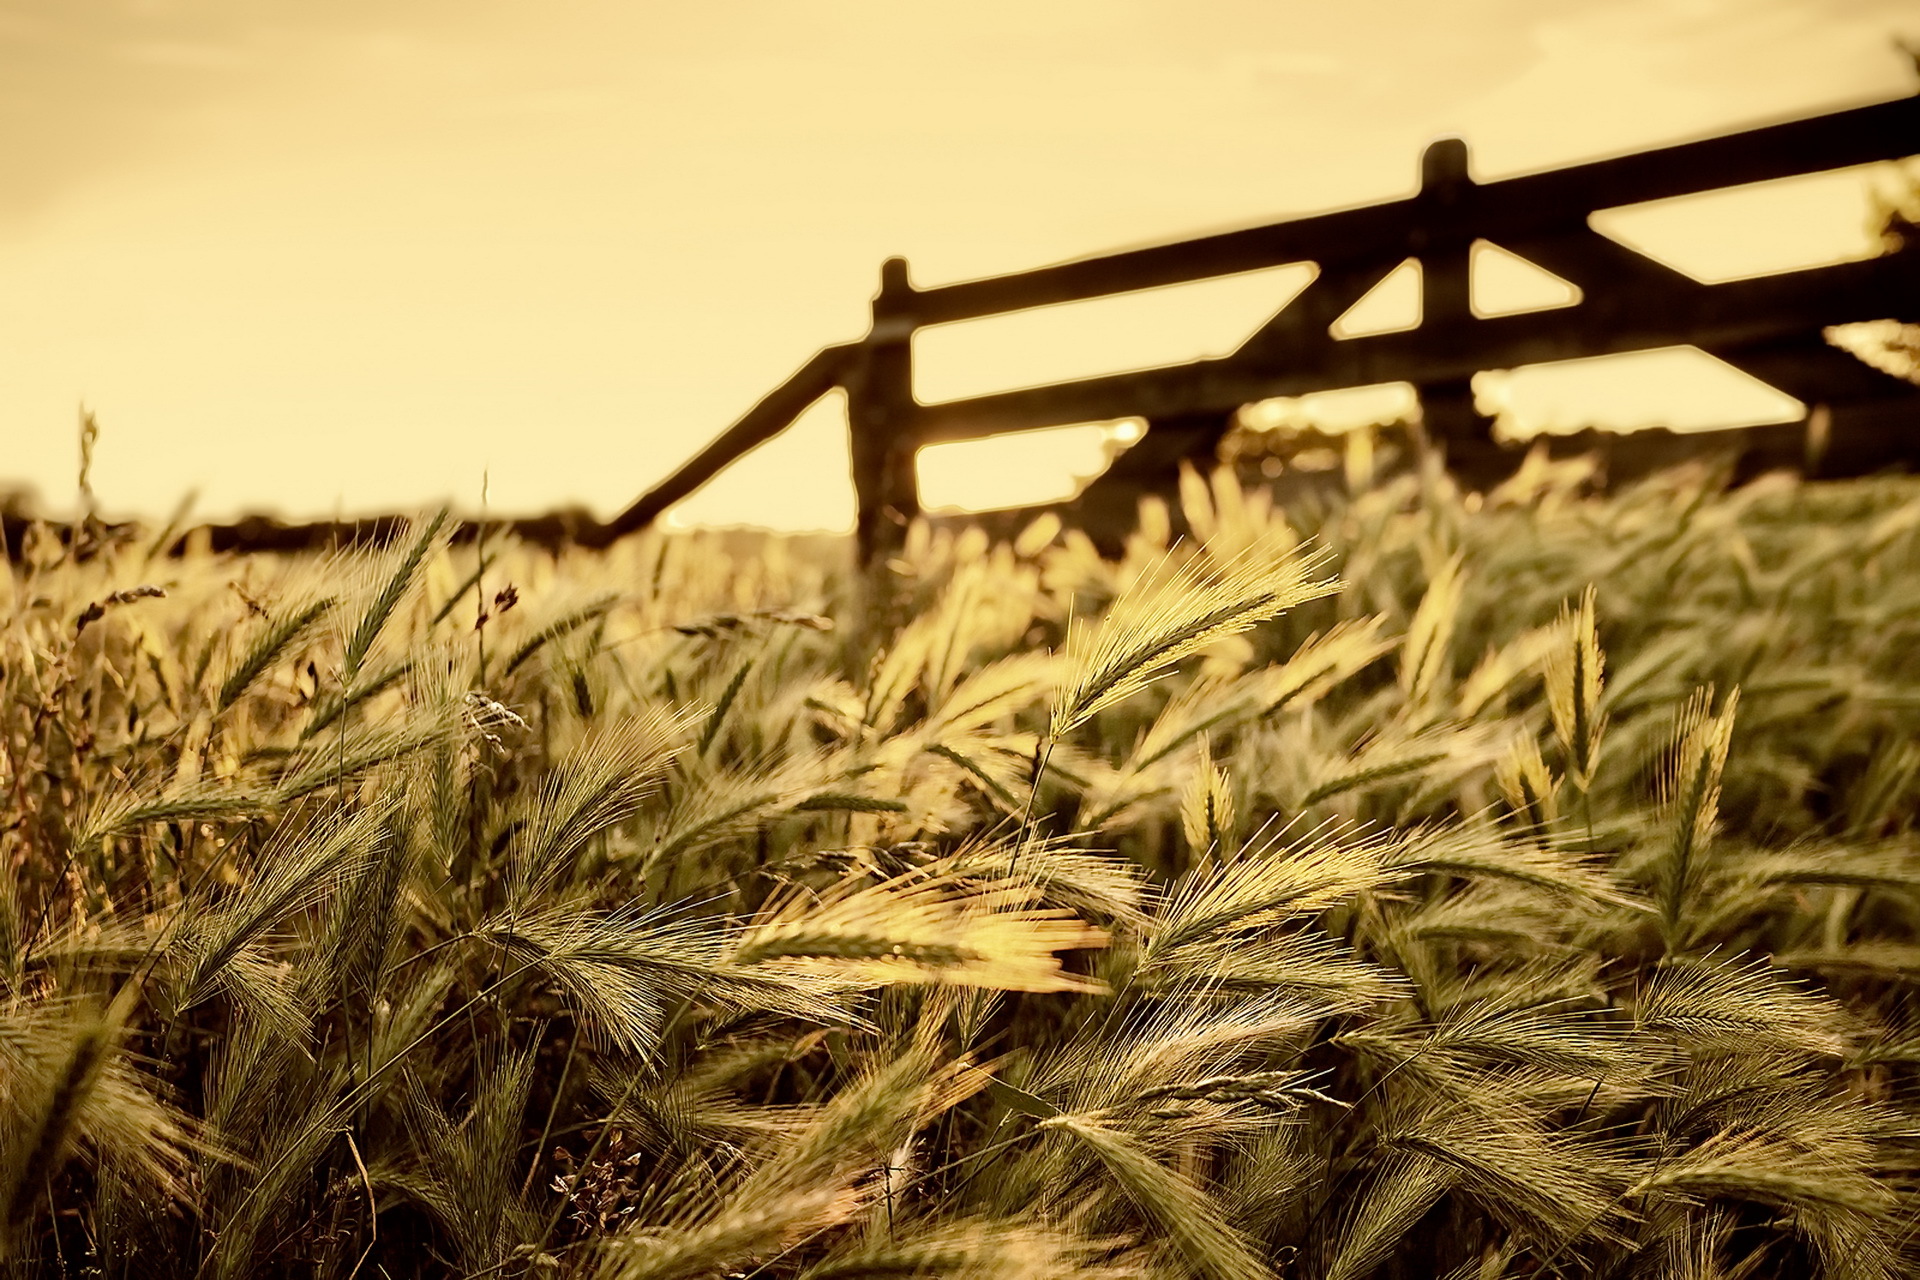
(1505,284)
(1019,469)
(1388,307)
(1758,229)
(1680,388)
(1347,409)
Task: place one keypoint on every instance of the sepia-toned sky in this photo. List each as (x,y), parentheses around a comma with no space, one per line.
(351,256)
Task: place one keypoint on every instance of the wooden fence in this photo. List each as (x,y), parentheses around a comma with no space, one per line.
(1769,326)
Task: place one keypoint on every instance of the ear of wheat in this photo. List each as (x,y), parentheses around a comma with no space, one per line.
(1574,684)
(705,906)
(1174,614)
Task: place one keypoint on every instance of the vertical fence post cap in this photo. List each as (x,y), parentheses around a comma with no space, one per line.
(893,278)
(893,306)
(1444,164)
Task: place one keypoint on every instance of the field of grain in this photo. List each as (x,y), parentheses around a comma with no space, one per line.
(1412,884)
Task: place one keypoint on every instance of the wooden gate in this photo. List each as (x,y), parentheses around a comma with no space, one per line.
(1770,326)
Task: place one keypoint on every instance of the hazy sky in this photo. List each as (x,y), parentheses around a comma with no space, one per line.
(349,255)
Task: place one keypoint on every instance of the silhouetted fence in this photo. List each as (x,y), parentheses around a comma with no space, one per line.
(1769,326)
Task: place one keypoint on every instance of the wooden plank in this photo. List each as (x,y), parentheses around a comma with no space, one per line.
(1513,206)
(773,414)
(1636,317)
(1370,231)
(1836,140)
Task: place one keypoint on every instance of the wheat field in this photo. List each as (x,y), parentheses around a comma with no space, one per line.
(1410,884)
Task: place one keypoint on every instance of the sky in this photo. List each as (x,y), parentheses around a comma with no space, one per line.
(368,255)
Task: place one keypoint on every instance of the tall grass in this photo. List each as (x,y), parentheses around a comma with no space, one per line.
(1404,885)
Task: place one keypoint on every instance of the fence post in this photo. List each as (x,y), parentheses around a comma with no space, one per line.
(879,407)
(1446,290)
